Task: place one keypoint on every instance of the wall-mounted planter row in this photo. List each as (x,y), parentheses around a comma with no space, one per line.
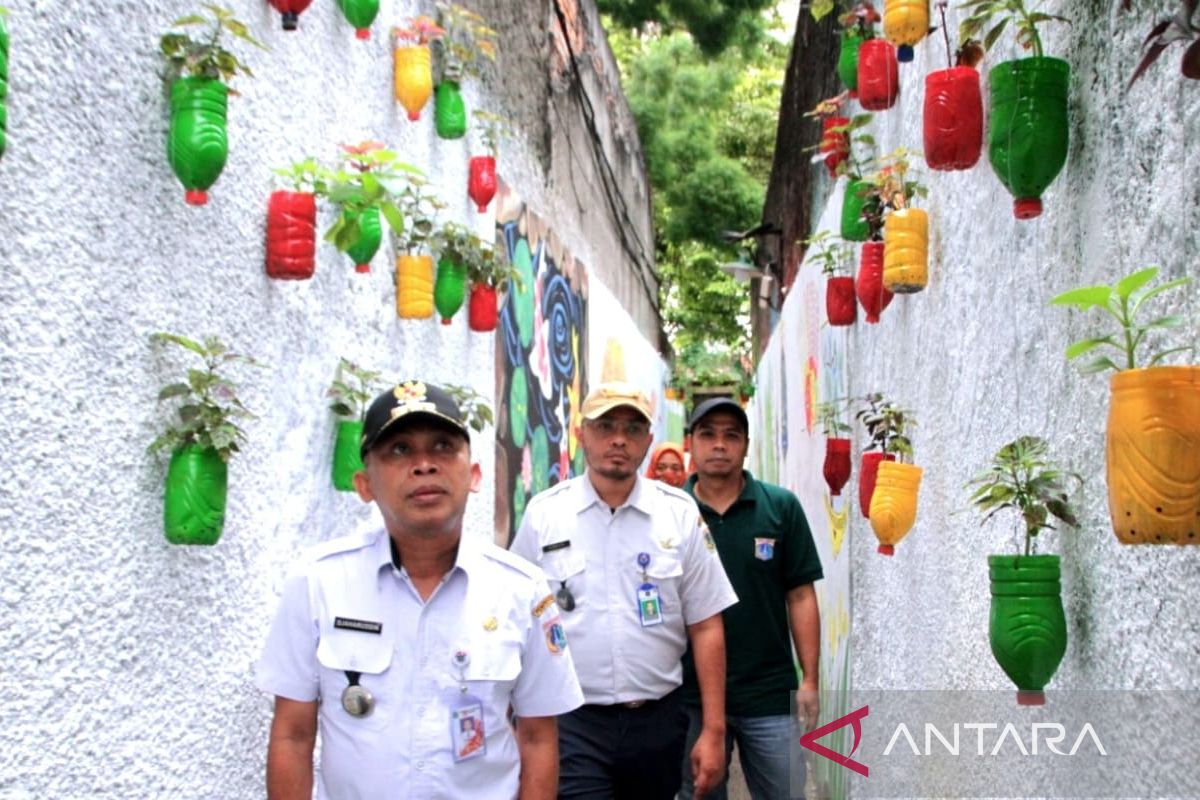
(197,142)
(414,286)
(291,235)
(481,180)
(1027,127)
(894,503)
(291,11)
(360,14)
(413,78)
(194,500)
(953,119)
(905,22)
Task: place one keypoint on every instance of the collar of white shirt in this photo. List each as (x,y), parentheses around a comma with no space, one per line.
(467,558)
(639,498)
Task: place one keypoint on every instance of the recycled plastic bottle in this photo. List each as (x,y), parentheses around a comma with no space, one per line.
(291,235)
(414,286)
(481,180)
(483,312)
(449,110)
(906,250)
(197,142)
(854,227)
(413,78)
(847,64)
(836,468)
(878,75)
(840,305)
(370,236)
(360,14)
(194,500)
(450,289)
(894,503)
(291,10)
(868,284)
(905,22)
(953,118)
(347,459)
(1027,627)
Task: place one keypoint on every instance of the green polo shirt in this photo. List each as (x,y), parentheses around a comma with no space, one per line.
(767,549)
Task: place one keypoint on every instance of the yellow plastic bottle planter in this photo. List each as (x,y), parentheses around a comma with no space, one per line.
(413,78)
(905,22)
(906,251)
(1153,454)
(894,503)
(414,287)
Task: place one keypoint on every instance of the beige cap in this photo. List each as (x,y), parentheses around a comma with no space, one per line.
(614,394)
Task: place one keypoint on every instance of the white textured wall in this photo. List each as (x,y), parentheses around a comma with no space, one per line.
(125,662)
(979,357)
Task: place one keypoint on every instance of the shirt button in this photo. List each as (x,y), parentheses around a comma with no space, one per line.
(420,765)
(421,710)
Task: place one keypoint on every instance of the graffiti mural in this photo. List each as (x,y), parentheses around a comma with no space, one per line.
(541,352)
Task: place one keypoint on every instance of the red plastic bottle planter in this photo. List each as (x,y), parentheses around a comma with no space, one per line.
(867,475)
(291,235)
(878,75)
(869,283)
(481,182)
(837,464)
(835,144)
(840,305)
(953,118)
(482,311)
(291,10)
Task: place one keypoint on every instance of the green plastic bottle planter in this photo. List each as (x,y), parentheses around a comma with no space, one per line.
(3,83)
(370,236)
(450,289)
(1027,127)
(346,457)
(360,14)
(1027,629)
(194,501)
(847,64)
(449,110)
(197,144)
(854,227)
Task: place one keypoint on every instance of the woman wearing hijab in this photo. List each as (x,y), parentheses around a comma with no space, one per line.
(666,464)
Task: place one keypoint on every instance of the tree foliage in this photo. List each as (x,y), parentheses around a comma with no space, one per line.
(713,24)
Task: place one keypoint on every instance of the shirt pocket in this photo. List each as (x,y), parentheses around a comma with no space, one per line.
(340,651)
(566,568)
(666,572)
(491,677)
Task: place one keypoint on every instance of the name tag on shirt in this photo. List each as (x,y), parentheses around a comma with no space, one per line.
(649,605)
(467,737)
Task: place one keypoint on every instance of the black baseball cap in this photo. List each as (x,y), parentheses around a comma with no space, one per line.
(719,404)
(407,401)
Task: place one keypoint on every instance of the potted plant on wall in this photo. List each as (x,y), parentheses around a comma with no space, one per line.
(905,22)
(351,391)
(905,230)
(836,467)
(419,205)
(834,147)
(360,14)
(290,11)
(365,188)
(887,426)
(894,500)
(1027,627)
(456,248)
(481,170)
(1027,109)
(953,111)
(467,45)
(822,249)
(878,73)
(201,442)
(489,274)
(858,25)
(1153,434)
(476,410)
(291,222)
(198,72)
(413,72)
(3,79)
(858,205)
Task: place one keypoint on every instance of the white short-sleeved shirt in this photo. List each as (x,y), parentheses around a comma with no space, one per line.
(347,608)
(578,541)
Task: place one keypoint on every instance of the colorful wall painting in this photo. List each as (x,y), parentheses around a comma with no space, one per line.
(541,361)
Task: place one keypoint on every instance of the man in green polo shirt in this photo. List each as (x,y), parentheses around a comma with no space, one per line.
(763,538)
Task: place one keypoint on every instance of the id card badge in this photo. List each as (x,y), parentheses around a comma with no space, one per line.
(466,729)
(649,606)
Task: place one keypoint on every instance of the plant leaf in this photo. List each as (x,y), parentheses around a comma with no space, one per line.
(1083,298)
(1131,283)
(1079,348)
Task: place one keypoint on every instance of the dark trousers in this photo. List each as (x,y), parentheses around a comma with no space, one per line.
(615,752)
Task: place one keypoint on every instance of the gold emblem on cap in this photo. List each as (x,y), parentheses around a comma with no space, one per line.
(490,624)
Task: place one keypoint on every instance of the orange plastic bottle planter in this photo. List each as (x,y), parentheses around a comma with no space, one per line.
(905,253)
(1153,455)
(905,22)
(414,287)
(413,78)
(867,474)
(894,503)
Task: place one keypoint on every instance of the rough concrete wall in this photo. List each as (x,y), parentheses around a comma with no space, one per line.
(125,661)
(978,355)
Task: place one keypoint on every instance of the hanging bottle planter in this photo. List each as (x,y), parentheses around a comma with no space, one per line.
(414,286)
(413,78)
(1027,628)
(1027,127)
(347,459)
(197,142)
(840,304)
(905,253)
(450,289)
(837,464)
(1153,455)
(847,64)
(854,227)
(449,110)
(360,14)
(291,10)
(483,312)
(878,75)
(370,237)
(953,118)
(894,503)
(481,181)
(3,85)
(291,235)
(834,143)
(867,474)
(905,22)
(872,294)
(194,501)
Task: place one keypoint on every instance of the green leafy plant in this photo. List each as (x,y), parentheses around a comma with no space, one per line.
(210,408)
(887,424)
(492,128)
(829,414)
(970,51)
(890,188)
(1182,27)
(1022,477)
(1122,301)
(419,204)
(861,15)
(206,57)
(352,389)
(371,177)
(996,15)
(828,251)
(305,176)
(455,242)
(467,43)
(472,404)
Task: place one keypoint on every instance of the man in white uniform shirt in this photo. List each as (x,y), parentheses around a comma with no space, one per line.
(407,646)
(637,576)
